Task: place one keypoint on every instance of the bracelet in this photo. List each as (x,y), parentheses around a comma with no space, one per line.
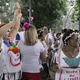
(0,50)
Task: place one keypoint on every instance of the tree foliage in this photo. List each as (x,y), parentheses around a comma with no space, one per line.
(76,11)
(45,12)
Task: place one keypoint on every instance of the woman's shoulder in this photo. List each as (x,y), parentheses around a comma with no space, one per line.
(21,42)
(39,44)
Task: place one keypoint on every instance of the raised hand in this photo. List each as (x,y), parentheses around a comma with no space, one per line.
(54,67)
(17,13)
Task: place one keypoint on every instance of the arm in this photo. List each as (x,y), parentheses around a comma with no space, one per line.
(6,27)
(50,43)
(17,24)
(54,66)
(43,56)
(15,29)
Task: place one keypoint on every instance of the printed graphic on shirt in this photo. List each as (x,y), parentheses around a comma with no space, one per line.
(14,58)
(72,62)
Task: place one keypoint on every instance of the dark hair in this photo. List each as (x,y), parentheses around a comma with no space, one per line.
(40,32)
(21,24)
(46,27)
(64,30)
(58,34)
(77,31)
(66,34)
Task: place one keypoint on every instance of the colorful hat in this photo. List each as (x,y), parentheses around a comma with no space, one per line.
(2,24)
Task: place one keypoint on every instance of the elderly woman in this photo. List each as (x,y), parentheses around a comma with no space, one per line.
(66,60)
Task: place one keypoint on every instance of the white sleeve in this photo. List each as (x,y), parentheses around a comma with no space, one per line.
(18,45)
(50,36)
(41,47)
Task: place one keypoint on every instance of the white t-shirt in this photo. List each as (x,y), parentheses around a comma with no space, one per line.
(30,56)
(66,64)
(21,33)
(48,37)
(1,63)
(7,66)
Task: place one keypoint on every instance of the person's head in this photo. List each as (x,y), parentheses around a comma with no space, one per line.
(41,35)
(45,29)
(70,38)
(6,35)
(30,34)
(64,30)
(58,35)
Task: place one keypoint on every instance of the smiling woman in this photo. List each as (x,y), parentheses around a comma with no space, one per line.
(68,58)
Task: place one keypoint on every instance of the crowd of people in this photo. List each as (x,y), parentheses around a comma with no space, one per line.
(27,53)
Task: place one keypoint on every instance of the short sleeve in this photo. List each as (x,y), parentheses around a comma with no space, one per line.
(17,37)
(41,47)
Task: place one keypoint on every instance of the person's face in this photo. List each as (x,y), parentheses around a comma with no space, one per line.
(74,41)
(45,30)
(43,37)
(6,36)
(59,37)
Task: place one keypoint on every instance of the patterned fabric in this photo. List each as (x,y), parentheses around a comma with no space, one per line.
(12,76)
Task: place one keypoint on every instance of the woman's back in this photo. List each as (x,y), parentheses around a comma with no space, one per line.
(30,56)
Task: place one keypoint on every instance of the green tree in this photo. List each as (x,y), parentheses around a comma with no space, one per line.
(45,12)
(75,15)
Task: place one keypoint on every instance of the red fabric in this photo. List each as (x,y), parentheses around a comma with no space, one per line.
(30,76)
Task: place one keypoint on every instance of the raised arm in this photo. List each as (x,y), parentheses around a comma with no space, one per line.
(16,25)
(5,28)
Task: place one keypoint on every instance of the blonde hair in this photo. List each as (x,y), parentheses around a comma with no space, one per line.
(30,36)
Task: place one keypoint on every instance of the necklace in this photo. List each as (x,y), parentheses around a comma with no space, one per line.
(70,53)
(12,46)
(42,42)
